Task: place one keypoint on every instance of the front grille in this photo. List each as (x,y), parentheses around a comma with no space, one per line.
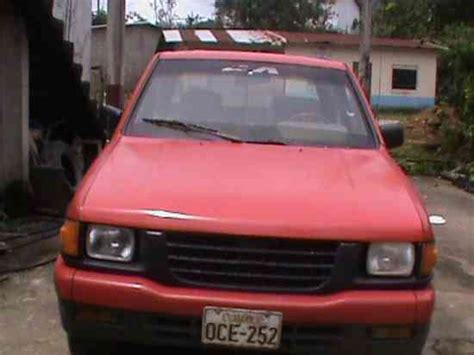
(170,330)
(181,331)
(255,264)
(305,339)
(187,332)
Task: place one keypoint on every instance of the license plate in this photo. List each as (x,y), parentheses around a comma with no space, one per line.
(241,328)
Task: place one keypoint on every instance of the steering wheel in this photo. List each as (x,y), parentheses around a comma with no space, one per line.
(309,117)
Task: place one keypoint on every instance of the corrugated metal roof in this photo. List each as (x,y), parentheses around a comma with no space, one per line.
(222,40)
(275,40)
(339,39)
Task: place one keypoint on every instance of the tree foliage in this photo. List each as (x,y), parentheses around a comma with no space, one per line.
(456,85)
(448,12)
(404,18)
(295,15)
(457,62)
(420,18)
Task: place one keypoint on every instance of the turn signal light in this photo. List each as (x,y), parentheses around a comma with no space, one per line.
(69,235)
(429,259)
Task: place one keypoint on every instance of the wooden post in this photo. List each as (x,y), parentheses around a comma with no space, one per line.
(365,45)
(115,51)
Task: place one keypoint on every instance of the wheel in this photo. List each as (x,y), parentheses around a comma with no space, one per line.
(90,347)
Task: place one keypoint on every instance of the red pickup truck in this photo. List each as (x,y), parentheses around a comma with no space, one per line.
(248,201)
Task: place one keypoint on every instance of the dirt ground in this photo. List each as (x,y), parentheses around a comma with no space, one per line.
(29,320)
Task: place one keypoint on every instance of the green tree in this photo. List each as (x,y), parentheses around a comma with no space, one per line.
(448,12)
(295,15)
(420,18)
(456,84)
(404,18)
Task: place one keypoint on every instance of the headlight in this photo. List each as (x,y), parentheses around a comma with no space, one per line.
(391,259)
(110,243)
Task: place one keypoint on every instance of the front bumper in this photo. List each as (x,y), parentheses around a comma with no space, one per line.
(142,307)
(135,293)
(98,323)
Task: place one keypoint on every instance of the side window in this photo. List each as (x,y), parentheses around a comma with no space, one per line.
(404,78)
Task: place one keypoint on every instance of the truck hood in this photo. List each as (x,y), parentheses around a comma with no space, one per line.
(247,189)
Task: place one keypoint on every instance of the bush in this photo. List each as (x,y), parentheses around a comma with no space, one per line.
(453,137)
(457,85)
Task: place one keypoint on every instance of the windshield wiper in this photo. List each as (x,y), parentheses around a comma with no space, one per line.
(191,127)
(267,142)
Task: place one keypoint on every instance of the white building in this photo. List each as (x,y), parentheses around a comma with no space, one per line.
(346,13)
(404,71)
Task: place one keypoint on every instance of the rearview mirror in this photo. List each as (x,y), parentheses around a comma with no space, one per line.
(393,133)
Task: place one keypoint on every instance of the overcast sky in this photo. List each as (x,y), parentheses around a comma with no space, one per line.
(204,8)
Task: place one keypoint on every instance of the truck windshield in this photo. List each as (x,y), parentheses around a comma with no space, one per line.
(253,101)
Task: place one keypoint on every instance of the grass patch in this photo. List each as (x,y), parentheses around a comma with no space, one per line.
(420,155)
(398,111)
(415,159)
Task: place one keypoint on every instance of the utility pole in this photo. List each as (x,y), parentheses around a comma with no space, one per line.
(115,51)
(365,46)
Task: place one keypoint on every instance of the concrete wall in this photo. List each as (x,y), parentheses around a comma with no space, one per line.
(140,45)
(77,18)
(14,94)
(383,61)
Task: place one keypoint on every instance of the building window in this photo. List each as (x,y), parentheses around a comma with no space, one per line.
(404,79)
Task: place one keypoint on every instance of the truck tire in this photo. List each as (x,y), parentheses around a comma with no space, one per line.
(78,346)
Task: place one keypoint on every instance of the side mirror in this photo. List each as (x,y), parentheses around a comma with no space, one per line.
(110,117)
(393,133)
